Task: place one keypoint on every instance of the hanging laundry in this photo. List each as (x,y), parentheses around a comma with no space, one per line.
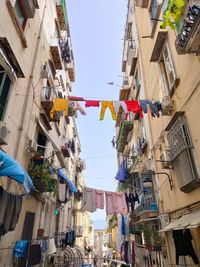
(123,229)
(92,103)
(88,202)
(104,106)
(65,51)
(121,173)
(43,248)
(59,104)
(124,251)
(110,210)
(118,104)
(133,198)
(79,108)
(11,206)
(134,106)
(183,245)
(119,203)
(127,201)
(75,98)
(153,108)
(20,248)
(62,192)
(99,198)
(173,13)
(120,236)
(51,247)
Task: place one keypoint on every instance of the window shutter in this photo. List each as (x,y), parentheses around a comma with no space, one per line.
(169,68)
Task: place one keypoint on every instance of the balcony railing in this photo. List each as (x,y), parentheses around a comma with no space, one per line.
(47,104)
(188,40)
(147,206)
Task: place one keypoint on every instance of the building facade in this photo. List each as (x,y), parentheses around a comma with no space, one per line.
(161,64)
(37,67)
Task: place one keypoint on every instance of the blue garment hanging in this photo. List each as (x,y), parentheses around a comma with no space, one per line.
(10,167)
(72,187)
(20,248)
(121,174)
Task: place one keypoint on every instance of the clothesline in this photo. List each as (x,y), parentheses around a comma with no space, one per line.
(138,107)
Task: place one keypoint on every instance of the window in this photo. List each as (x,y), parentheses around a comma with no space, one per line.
(168,72)
(47,92)
(5,85)
(154,12)
(137,82)
(181,153)
(21,16)
(25,10)
(41,141)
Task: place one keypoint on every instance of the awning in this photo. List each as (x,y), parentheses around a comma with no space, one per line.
(73,255)
(62,174)
(190,220)
(11,168)
(80,254)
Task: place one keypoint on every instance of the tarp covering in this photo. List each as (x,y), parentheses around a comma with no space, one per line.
(10,167)
(72,187)
(191,220)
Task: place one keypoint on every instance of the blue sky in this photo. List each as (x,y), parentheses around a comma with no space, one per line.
(97,32)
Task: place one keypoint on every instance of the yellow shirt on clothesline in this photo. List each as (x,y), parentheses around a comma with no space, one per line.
(59,104)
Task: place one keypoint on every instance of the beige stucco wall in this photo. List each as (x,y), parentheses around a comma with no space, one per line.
(26,58)
(186,98)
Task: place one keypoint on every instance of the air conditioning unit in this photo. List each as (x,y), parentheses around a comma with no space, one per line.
(165,160)
(163,220)
(45,73)
(167,105)
(142,3)
(4,134)
(32,145)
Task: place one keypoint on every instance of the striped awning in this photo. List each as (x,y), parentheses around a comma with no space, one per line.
(73,255)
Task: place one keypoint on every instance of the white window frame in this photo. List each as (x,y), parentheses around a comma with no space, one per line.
(167,70)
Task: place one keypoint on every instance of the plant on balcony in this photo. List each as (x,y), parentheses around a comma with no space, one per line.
(152,237)
(40,172)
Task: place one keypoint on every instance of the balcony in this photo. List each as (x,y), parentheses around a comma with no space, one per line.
(71,72)
(147,208)
(125,128)
(132,56)
(47,104)
(55,52)
(188,40)
(66,151)
(62,14)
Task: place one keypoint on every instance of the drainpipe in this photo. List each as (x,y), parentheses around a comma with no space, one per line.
(28,89)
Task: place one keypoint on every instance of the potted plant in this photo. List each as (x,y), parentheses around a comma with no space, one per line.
(42,177)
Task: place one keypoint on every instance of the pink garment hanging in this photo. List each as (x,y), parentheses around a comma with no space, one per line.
(109,203)
(99,196)
(88,200)
(134,106)
(92,103)
(118,104)
(75,98)
(79,108)
(120,205)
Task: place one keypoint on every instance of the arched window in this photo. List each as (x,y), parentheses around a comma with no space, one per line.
(5,86)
